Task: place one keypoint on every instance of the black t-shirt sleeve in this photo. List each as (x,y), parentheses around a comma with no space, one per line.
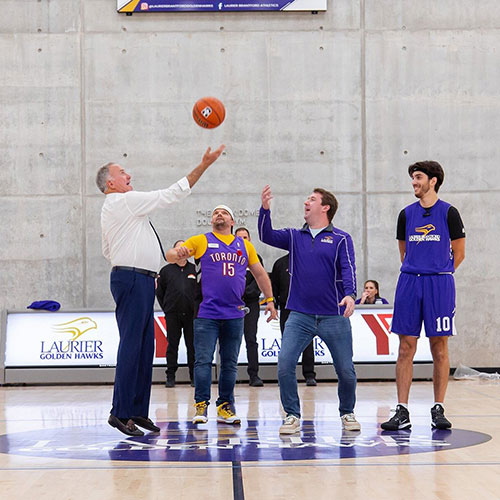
(455,224)
(401,229)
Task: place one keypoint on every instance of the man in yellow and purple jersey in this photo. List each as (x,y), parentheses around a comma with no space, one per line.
(221,262)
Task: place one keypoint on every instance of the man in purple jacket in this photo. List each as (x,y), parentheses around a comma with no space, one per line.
(321,299)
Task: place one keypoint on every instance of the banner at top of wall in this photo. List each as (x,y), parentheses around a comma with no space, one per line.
(130,6)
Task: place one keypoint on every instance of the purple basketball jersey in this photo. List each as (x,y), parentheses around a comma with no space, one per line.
(223,270)
(426,287)
(428,247)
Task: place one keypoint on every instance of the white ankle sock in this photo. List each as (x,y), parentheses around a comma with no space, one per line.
(404,405)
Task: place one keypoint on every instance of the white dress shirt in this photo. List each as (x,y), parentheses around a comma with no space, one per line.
(127,237)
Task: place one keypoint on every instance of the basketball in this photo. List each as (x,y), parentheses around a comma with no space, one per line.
(209,112)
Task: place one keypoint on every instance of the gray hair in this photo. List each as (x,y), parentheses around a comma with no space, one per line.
(102,177)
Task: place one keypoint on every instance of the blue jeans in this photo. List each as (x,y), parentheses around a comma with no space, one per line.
(335,331)
(206,332)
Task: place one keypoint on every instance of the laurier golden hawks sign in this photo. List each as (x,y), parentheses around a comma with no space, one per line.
(91,339)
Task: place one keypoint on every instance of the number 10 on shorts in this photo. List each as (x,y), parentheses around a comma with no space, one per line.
(443,324)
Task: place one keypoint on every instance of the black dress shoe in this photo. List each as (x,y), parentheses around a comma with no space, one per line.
(311,382)
(256,382)
(170,383)
(146,423)
(127,428)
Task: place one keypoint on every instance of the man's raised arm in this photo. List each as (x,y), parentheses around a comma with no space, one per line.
(208,158)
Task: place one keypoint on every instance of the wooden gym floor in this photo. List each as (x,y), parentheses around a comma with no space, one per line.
(55,444)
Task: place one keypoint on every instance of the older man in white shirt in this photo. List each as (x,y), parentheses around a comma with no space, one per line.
(131,244)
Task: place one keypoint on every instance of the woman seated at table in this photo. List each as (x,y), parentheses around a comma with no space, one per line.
(371,294)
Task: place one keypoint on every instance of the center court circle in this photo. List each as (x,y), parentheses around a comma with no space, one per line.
(254,440)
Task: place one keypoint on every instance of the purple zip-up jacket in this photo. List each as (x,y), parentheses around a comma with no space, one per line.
(322,269)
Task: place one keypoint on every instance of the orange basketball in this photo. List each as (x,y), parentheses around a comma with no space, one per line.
(209,112)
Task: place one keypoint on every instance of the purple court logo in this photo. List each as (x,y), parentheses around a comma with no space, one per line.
(254,440)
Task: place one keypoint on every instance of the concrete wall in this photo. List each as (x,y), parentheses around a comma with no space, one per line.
(344,99)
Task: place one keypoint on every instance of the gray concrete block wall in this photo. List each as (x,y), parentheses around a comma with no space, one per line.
(345,99)
(437,99)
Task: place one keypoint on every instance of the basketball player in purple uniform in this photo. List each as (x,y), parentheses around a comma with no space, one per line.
(431,239)
(221,262)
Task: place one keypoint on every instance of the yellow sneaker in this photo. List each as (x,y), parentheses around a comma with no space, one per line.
(200,416)
(226,414)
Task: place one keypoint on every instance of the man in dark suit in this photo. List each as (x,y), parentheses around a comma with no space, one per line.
(175,291)
(251,299)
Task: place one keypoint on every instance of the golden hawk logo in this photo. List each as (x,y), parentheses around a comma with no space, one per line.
(424,236)
(425,229)
(76,327)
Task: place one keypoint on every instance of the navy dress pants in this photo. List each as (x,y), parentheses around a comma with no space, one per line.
(134,296)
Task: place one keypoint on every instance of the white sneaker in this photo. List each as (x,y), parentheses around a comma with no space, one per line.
(349,422)
(291,425)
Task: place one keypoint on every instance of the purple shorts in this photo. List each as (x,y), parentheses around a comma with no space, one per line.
(424,297)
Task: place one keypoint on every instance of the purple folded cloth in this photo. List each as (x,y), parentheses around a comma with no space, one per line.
(48,305)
